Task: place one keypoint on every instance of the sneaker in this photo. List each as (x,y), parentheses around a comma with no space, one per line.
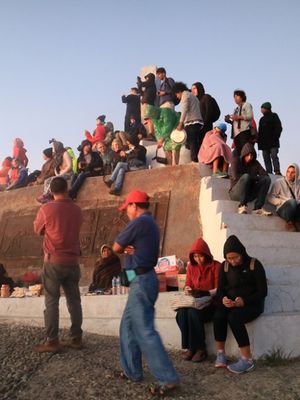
(115,192)
(221,360)
(241,366)
(50,346)
(262,212)
(199,356)
(72,343)
(243,209)
(219,175)
(108,183)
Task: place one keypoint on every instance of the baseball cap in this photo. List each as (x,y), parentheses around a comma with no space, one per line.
(135,196)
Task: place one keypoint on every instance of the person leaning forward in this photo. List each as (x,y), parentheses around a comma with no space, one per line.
(139,241)
(59,221)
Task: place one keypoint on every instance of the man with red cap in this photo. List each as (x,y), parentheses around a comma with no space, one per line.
(139,241)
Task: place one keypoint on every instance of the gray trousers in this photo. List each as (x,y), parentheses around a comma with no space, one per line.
(55,276)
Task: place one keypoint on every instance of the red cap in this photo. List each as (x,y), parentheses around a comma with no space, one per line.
(134,197)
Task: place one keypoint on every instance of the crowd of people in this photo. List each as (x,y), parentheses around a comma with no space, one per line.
(150,115)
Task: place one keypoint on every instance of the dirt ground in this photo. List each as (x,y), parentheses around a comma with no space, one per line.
(89,374)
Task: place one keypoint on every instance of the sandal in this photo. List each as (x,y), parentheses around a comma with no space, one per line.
(163,390)
(122,375)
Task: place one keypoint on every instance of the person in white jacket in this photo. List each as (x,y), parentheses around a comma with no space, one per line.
(285,195)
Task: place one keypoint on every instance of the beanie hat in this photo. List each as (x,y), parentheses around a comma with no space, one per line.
(222,126)
(48,152)
(267,105)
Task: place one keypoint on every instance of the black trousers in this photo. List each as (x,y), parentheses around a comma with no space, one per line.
(191,323)
(236,318)
(195,137)
(241,139)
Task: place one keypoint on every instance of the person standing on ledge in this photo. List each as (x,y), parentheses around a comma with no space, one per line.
(59,222)
(139,241)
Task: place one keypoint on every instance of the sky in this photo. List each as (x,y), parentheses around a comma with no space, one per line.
(64,62)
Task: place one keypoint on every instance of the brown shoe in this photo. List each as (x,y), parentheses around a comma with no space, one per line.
(187,355)
(50,346)
(73,343)
(199,356)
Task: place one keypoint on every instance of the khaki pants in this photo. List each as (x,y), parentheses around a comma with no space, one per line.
(168,104)
(54,277)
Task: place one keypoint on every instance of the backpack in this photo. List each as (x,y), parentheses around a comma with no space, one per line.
(216,112)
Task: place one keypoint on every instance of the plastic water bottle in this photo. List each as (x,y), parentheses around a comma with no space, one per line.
(114,285)
(118,285)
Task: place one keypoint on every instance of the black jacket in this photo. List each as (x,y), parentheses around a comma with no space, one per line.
(137,154)
(133,106)
(95,166)
(148,89)
(239,167)
(242,281)
(269,131)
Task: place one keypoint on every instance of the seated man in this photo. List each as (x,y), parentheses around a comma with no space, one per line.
(285,195)
(17,175)
(215,152)
(89,164)
(249,181)
(135,159)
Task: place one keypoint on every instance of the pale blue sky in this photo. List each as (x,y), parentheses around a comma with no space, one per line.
(64,62)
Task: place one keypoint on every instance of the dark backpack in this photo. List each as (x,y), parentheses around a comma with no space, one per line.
(215,109)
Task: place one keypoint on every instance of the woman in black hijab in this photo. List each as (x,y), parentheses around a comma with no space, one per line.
(242,288)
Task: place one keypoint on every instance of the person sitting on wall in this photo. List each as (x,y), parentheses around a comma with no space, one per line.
(6,166)
(285,195)
(215,152)
(62,167)
(201,280)
(20,152)
(47,168)
(106,267)
(89,164)
(135,159)
(242,288)
(249,181)
(106,155)
(17,175)
(99,133)
(5,279)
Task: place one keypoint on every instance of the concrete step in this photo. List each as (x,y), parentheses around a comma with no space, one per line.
(102,314)
(282,298)
(253,222)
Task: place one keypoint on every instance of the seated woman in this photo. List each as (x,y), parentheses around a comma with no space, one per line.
(47,169)
(62,167)
(201,280)
(4,178)
(215,152)
(242,288)
(5,280)
(89,163)
(106,267)
(17,175)
(135,159)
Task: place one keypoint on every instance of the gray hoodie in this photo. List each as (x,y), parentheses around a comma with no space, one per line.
(280,191)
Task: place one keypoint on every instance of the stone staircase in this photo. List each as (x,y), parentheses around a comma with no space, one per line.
(267,239)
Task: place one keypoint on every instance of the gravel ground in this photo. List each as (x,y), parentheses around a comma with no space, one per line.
(89,374)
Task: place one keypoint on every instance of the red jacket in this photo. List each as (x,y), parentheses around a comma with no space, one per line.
(60,221)
(98,135)
(19,151)
(203,277)
(6,165)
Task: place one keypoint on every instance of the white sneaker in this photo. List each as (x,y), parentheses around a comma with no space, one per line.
(243,210)
(262,212)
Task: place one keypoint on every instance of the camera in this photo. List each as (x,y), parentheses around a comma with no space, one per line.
(52,140)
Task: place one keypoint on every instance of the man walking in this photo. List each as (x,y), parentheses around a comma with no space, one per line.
(59,222)
(139,241)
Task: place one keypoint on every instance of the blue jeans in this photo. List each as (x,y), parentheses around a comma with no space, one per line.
(271,154)
(138,335)
(119,174)
(246,190)
(290,211)
(77,182)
